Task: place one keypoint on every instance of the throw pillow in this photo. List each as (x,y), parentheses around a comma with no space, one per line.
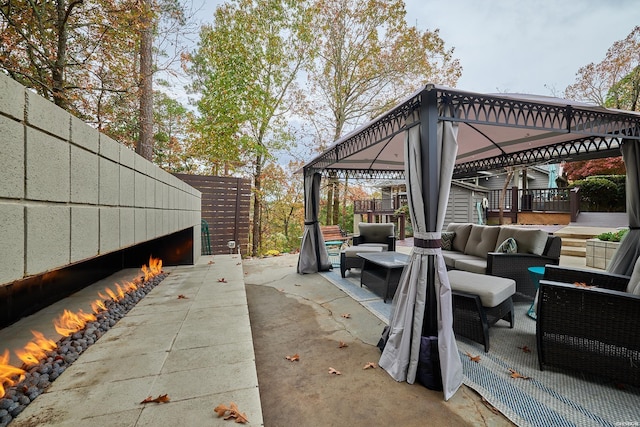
(447,239)
(509,246)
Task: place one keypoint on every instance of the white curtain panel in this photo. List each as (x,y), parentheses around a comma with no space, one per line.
(400,355)
(629,250)
(313,253)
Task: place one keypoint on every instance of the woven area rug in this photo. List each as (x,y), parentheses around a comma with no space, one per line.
(548,398)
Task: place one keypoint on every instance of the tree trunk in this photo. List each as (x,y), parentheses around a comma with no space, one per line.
(257,205)
(144,147)
(57,73)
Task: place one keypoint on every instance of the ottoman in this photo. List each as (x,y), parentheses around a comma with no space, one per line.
(479,301)
(349,257)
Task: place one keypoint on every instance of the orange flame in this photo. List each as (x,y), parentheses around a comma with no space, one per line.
(97,306)
(69,323)
(35,350)
(155,268)
(8,373)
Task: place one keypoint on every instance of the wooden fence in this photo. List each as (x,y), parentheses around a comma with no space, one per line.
(225,207)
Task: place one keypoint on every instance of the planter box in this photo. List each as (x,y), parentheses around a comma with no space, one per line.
(600,252)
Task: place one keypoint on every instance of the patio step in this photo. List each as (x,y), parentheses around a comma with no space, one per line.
(573,251)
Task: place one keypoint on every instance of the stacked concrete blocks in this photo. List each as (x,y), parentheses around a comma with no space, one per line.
(70,193)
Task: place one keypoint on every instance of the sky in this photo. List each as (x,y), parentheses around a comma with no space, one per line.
(518,46)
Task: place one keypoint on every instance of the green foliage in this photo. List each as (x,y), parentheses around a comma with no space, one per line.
(613,237)
(601,194)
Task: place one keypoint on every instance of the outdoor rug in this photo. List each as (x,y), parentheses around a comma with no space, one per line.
(548,398)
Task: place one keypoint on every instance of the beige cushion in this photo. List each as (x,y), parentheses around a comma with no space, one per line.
(473,265)
(383,246)
(482,239)
(530,241)
(450,257)
(353,251)
(492,290)
(634,283)
(462,234)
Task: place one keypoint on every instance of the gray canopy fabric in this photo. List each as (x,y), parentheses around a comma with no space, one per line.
(313,254)
(625,257)
(493,131)
(410,304)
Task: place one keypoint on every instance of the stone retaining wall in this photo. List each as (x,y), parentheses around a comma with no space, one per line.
(69,193)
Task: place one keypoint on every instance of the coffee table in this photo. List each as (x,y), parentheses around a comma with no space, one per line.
(381,272)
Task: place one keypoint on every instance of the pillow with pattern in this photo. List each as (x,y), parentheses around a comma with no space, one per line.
(509,246)
(447,239)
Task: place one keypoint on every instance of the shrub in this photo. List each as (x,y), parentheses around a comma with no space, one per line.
(613,237)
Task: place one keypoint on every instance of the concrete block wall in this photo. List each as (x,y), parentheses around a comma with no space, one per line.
(69,193)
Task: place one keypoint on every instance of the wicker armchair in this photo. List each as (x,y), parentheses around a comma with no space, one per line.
(589,330)
(380,235)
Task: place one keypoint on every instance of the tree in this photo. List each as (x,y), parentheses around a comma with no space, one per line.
(615,81)
(172,148)
(586,168)
(368,58)
(244,68)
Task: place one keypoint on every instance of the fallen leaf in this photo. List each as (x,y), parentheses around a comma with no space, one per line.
(223,280)
(490,406)
(525,349)
(346,316)
(343,344)
(582,285)
(211,262)
(295,284)
(182,297)
(163,398)
(294,358)
(333,371)
(473,358)
(515,374)
(239,263)
(233,413)
(370,365)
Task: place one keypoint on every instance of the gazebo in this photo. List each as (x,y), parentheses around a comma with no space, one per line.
(435,135)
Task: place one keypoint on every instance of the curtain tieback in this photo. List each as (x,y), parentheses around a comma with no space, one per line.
(427,243)
(310,222)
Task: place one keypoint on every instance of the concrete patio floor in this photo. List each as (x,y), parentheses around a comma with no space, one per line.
(200,351)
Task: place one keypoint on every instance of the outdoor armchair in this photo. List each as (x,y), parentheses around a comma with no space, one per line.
(373,234)
(588,329)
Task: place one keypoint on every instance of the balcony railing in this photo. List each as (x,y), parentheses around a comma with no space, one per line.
(379,206)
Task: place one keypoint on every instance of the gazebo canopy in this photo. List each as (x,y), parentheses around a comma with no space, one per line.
(495,130)
(438,134)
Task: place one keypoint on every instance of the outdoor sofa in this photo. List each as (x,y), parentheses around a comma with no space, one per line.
(589,321)
(478,249)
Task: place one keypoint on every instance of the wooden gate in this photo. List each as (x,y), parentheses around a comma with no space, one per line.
(225,207)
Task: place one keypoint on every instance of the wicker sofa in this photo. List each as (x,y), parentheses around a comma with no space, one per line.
(591,330)
(473,248)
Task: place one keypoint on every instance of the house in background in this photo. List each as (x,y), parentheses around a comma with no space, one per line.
(465,198)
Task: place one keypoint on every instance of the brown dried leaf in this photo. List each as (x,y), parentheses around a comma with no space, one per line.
(346,316)
(370,365)
(211,262)
(333,371)
(343,344)
(582,285)
(294,358)
(515,374)
(233,412)
(182,297)
(525,349)
(163,398)
(222,280)
(473,358)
